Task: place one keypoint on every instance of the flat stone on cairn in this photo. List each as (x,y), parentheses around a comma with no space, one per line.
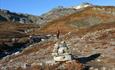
(61,52)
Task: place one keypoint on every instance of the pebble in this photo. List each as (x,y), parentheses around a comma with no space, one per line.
(91,68)
(113,68)
(34,64)
(98,60)
(96,69)
(103,68)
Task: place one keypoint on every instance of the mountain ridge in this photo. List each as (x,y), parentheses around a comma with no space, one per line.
(49,16)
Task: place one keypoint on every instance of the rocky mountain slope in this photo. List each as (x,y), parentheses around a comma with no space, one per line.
(6,15)
(88,17)
(89,31)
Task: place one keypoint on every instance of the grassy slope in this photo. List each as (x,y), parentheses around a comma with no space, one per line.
(71,23)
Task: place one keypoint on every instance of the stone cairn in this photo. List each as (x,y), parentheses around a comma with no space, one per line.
(61,52)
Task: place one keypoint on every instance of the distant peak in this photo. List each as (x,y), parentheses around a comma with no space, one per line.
(83,5)
(86,3)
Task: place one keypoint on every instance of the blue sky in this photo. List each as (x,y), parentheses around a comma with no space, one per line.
(38,7)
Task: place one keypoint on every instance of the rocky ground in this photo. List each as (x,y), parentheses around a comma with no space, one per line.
(94,50)
(90,35)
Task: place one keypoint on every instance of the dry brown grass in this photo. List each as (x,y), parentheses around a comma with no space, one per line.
(73,66)
(64,24)
(69,65)
(9,30)
(15,26)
